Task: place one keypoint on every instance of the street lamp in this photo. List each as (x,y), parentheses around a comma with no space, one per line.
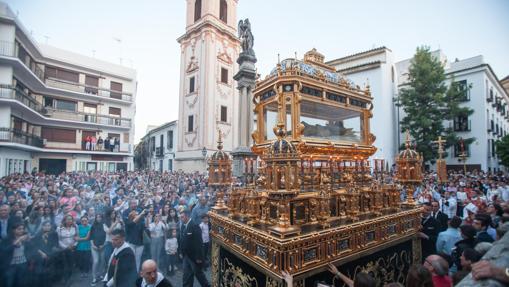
(204,151)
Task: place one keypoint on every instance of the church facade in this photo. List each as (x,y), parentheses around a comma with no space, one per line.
(208,98)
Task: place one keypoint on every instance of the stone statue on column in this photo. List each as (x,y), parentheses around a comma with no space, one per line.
(246,81)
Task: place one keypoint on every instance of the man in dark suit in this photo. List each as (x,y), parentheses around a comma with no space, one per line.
(439,216)
(429,232)
(481,224)
(191,250)
(121,264)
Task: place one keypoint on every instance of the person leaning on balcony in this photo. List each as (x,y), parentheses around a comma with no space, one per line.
(112,143)
(117,144)
(107,144)
(100,143)
(87,142)
(93,142)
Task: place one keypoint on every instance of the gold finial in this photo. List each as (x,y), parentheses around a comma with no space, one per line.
(407,140)
(295,55)
(278,60)
(219,140)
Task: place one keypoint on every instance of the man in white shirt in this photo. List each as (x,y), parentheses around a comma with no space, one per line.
(448,205)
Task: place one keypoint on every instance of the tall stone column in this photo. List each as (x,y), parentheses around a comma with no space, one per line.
(246,80)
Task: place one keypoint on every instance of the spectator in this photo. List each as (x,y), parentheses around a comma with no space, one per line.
(112,222)
(97,240)
(448,238)
(150,277)
(481,224)
(83,254)
(468,234)
(171,247)
(361,279)
(200,209)
(134,230)
(439,270)
(205,236)
(419,276)
(100,143)
(487,270)
(469,257)
(45,246)
(67,233)
(107,144)
(93,142)
(14,259)
(5,221)
(439,216)
(429,231)
(157,229)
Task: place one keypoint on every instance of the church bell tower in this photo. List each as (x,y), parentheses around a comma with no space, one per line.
(208,96)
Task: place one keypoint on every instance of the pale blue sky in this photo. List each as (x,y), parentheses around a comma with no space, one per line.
(149,29)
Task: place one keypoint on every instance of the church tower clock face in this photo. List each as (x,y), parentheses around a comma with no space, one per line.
(208,97)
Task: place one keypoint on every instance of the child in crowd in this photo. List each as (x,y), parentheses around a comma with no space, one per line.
(171,247)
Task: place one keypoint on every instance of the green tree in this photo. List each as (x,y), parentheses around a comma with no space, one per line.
(502,148)
(429,103)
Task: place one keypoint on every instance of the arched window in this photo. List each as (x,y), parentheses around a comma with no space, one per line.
(223,11)
(197,10)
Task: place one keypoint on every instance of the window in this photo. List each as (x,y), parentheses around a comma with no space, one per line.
(190,123)
(224,75)
(170,165)
(461,124)
(53,72)
(152,144)
(463,88)
(197,10)
(126,138)
(223,11)
(48,102)
(161,141)
(191,85)
(115,112)
(493,148)
(116,90)
(91,84)
(90,110)
(170,139)
(65,105)
(58,135)
(459,149)
(224,114)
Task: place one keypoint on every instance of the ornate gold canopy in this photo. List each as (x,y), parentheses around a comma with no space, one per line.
(315,199)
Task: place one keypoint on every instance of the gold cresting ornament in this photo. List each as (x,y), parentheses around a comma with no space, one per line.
(219,174)
(409,169)
(314,200)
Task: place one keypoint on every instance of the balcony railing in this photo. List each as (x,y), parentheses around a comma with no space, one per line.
(462,126)
(17,136)
(92,90)
(9,92)
(90,118)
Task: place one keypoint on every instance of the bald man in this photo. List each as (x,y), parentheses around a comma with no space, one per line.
(439,269)
(150,277)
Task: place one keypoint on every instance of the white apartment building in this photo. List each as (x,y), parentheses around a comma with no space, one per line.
(156,150)
(487,98)
(52,100)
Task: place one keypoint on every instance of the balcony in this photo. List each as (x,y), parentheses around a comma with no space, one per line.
(89,118)
(90,90)
(17,136)
(9,92)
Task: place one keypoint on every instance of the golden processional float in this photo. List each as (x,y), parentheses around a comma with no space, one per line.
(316,198)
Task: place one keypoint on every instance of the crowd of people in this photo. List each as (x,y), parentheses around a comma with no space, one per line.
(53,227)
(140,227)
